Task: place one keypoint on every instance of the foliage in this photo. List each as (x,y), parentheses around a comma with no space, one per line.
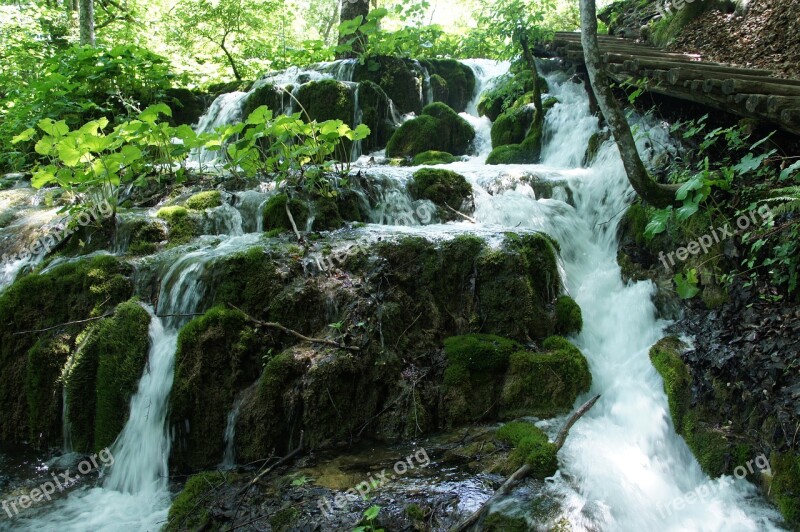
(369,517)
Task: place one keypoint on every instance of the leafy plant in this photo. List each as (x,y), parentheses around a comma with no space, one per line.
(369,517)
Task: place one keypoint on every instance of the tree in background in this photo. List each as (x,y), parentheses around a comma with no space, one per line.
(87,22)
(223,24)
(648,189)
(351,10)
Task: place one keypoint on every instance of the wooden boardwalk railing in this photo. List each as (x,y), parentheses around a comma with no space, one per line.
(747,92)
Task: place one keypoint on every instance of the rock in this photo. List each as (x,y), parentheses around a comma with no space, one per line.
(442,187)
(459,82)
(512,126)
(187,106)
(327,100)
(438,129)
(397,78)
(433,158)
(273,97)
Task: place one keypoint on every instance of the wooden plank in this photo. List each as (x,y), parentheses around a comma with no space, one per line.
(734,85)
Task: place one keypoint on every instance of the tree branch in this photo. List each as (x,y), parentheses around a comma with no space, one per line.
(78,322)
(525,470)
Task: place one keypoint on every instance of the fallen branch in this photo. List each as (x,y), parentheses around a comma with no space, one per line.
(291,220)
(473,220)
(278,326)
(78,322)
(525,470)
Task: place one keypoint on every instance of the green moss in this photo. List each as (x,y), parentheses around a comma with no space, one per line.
(500,522)
(396,78)
(218,355)
(31,364)
(433,158)
(249,280)
(415,512)
(531,447)
(545,383)
(182,226)
(459,82)
(376,115)
(284,519)
(268,95)
(438,129)
(511,154)
(785,485)
(187,105)
(512,126)
(479,352)
(121,345)
(568,316)
(204,200)
(275,216)
(327,100)
(708,444)
(189,510)
(145,237)
(326,215)
(442,187)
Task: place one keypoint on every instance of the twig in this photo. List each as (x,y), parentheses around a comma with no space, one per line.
(181,315)
(291,220)
(473,220)
(273,325)
(525,470)
(273,466)
(65,324)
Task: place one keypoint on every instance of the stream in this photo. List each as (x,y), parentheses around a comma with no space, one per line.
(623,467)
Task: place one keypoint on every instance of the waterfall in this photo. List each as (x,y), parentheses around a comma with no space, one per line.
(229,458)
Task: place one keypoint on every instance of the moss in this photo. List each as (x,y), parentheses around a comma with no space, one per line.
(785,485)
(121,345)
(479,352)
(545,383)
(510,154)
(249,280)
(458,78)
(593,148)
(187,105)
(439,129)
(500,522)
(375,113)
(275,216)
(442,187)
(708,444)
(396,78)
(327,100)
(31,364)
(568,316)
(204,200)
(284,519)
(531,447)
(415,512)
(433,158)
(217,89)
(269,95)
(326,215)
(145,237)
(218,355)
(182,226)
(189,510)
(512,126)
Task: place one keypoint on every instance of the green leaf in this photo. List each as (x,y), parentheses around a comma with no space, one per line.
(372,512)
(787,172)
(43,176)
(51,127)
(25,136)
(68,153)
(658,223)
(45,146)
(686,286)
(150,115)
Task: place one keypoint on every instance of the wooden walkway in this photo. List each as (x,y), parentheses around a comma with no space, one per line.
(747,92)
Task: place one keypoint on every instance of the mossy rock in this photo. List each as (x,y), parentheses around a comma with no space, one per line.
(595,141)
(512,126)
(375,114)
(785,486)
(442,187)
(187,105)
(707,442)
(459,81)
(500,522)
(396,77)
(531,447)
(433,158)
(31,365)
(204,200)
(439,129)
(275,216)
(146,235)
(527,152)
(182,225)
(569,318)
(189,510)
(218,356)
(120,346)
(218,89)
(327,100)
(545,384)
(284,519)
(269,95)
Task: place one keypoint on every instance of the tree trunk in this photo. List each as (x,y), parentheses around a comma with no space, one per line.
(87,22)
(232,62)
(352,9)
(650,191)
(537,92)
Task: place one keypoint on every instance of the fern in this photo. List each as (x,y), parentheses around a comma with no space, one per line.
(788,199)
